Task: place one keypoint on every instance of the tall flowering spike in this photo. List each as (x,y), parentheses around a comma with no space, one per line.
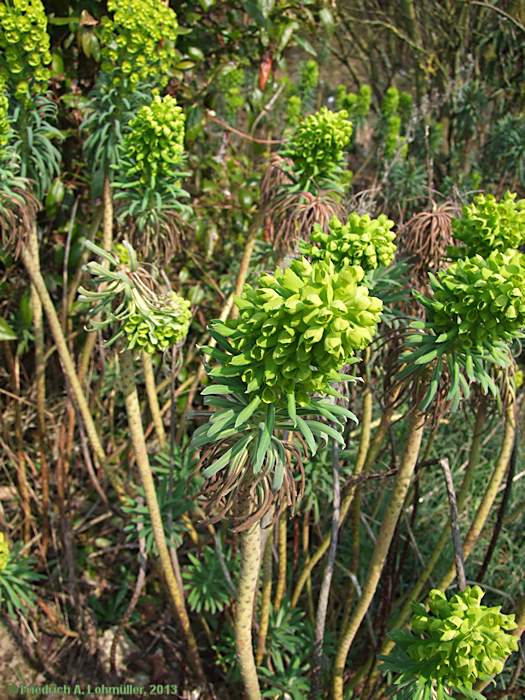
(318,143)
(360,241)
(154,144)
(139,42)
(488,224)
(24,47)
(298,328)
(4,551)
(457,642)
(479,301)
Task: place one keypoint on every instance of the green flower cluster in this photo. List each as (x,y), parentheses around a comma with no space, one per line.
(230,83)
(154,144)
(486,224)
(459,641)
(159,328)
(361,241)
(298,328)
(357,104)
(24,47)
(4,551)
(318,143)
(4,116)
(139,42)
(395,108)
(308,79)
(477,302)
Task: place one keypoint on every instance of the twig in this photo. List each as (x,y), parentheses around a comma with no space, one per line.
(213,118)
(456,535)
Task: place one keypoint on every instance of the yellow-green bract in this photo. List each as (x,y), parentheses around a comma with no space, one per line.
(154,143)
(160,328)
(480,300)
(139,42)
(298,328)
(4,551)
(360,241)
(460,641)
(24,47)
(4,118)
(488,224)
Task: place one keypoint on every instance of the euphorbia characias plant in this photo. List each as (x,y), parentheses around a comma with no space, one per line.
(296,330)
(148,174)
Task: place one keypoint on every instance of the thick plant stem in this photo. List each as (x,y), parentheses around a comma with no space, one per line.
(246,258)
(384,538)
(361,462)
(67,363)
(141,454)
(324,592)
(444,538)
(281,572)
(40,374)
(266,599)
(153,400)
(490,494)
(248,578)
(107,242)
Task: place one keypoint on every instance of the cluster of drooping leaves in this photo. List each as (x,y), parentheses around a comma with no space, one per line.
(297,328)
(153,147)
(24,47)
(317,148)
(361,241)
(476,309)
(151,320)
(488,224)
(453,643)
(139,42)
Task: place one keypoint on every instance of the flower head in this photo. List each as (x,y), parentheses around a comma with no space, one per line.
(139,41)
(318,143)
(298,328)
(486,224)
(360,241)
(154,144)
(460,641)
(478,302)
(24,47)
